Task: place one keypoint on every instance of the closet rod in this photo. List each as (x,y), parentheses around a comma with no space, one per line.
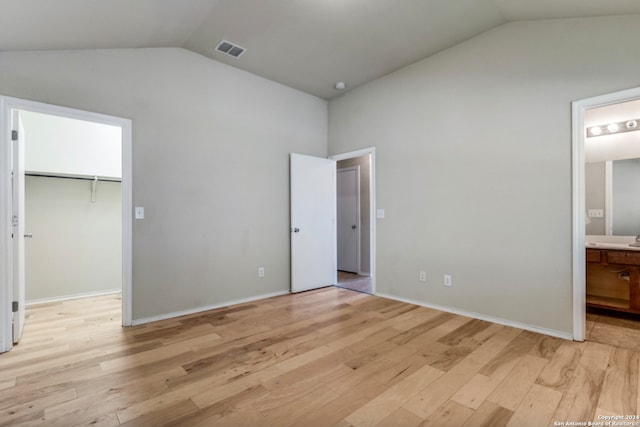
(85,178)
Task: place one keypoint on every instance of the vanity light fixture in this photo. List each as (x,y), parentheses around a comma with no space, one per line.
(611,128)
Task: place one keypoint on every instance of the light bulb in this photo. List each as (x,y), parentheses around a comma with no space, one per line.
(595,131)
(631,124)
(613,127)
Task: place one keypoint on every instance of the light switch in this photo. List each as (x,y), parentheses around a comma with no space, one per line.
(380,213)
(139,212)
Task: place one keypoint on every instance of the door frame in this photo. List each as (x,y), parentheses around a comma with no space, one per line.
(18,231)
(578,219)
(358,222)
(371,151)
(7,104)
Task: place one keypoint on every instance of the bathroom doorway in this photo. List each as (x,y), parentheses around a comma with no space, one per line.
(601,125)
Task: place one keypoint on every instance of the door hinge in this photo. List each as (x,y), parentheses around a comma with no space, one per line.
(15,306)
(14,135)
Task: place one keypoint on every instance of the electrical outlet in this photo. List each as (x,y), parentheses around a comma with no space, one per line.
(423,276)
(261,272)
(447,280)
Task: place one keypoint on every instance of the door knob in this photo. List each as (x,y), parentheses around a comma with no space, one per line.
(28,236)
(354,226)
(295,230)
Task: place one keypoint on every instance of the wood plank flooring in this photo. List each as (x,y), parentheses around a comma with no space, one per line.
(329,357)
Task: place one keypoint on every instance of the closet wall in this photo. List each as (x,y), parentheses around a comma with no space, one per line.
(76,223)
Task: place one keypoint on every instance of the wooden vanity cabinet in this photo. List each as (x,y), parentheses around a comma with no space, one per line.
(604,288)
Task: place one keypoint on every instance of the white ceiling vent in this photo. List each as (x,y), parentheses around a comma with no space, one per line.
(230,49)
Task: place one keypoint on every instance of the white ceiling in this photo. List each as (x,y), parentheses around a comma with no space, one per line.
(305,44)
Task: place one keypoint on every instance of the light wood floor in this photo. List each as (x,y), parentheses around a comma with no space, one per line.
(329,357)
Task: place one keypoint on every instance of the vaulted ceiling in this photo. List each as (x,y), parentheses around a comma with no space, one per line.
(305,44)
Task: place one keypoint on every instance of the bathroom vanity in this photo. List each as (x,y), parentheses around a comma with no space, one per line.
(613,277)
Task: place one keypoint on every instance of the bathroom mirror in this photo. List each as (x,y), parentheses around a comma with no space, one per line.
(613,191)
(612,170)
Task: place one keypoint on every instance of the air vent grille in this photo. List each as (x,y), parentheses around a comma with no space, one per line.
(230,49)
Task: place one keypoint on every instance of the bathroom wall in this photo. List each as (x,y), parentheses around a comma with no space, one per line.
(598,150)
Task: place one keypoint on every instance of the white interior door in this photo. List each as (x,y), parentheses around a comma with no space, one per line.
(18,220)
(313,222)
(348,227)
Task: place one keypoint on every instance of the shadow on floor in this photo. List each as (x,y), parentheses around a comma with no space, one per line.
(355,282)
(613,328)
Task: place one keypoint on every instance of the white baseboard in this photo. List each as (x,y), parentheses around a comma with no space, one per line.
(205,308)
(498,320)
(73,296)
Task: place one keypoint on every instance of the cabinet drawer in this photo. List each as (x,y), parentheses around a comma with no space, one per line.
(623,257)
(593,255)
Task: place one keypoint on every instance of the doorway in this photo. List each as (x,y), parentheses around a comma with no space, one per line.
(356,220)
(73,205)
(580,215)
(68,183)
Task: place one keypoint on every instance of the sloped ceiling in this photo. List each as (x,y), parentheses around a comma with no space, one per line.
(305,44)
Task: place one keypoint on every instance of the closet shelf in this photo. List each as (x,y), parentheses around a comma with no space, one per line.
(73,176)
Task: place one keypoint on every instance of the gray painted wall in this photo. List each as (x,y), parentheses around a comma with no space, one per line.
(211,151)
(77,245)
(473,149)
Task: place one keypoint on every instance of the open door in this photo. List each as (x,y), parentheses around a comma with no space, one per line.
(18,219)
(348,198)
(313,222)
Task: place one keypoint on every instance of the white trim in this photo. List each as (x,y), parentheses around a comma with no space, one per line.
(608,198)
(127,223)
(6,105)
(72,297)
(578,109)
(6,250)
(174,314)
(474,315)
(372,202)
